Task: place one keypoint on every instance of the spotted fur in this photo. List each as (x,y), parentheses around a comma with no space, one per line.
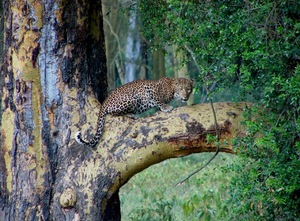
(139,96)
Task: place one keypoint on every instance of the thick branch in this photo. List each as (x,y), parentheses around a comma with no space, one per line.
(128,146)
(151,140)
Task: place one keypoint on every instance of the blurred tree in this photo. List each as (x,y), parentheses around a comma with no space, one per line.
(159,69)
(123,42)
(113,24)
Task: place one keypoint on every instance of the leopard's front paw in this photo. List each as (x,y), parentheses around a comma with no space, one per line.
(166,108)
(132,116)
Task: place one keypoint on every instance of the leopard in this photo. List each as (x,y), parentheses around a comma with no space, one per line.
(138,96)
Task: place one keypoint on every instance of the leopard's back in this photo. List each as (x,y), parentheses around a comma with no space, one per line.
(139,96)
(134,97)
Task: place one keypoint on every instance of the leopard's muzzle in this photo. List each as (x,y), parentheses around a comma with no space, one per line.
(184,99)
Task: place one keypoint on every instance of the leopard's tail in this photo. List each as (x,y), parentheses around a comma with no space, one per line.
(93,142)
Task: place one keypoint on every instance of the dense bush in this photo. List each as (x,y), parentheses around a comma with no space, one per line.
(255,45)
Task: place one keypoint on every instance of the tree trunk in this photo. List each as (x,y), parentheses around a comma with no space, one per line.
(181,68)
(132,49)
(54,67)
(159,69)
(54,56)
(115,25)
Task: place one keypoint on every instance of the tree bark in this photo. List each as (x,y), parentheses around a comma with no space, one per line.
(53,51)
(54,75)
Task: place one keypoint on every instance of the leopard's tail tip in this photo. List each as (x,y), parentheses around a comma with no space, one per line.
(78,137)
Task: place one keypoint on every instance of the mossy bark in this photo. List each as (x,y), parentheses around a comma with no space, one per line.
(54,54)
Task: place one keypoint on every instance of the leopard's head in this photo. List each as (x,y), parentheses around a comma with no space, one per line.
(183,88)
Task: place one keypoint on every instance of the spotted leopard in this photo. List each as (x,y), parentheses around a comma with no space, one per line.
(139,96)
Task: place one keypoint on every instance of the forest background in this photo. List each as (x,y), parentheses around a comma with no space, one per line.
(235,51)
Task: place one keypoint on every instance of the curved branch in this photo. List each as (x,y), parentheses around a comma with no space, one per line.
(129,146)
(168,135)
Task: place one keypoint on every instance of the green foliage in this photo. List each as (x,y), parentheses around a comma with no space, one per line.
(151,194)
(270,157)
(253,45)
(229,40)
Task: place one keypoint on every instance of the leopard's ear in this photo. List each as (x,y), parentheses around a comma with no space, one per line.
(191,82)
(177,81)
